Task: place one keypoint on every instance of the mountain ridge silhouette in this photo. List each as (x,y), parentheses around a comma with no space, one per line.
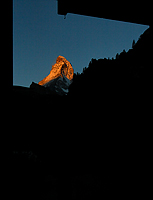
(111,87)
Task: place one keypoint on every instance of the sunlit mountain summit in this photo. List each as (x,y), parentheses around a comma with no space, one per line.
(60,77)
(61,68)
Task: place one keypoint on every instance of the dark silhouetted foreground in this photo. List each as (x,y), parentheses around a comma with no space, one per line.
(92,142)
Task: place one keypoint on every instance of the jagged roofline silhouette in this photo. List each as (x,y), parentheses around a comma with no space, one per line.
(130,11)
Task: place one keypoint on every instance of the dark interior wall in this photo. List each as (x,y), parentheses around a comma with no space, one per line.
(128,11)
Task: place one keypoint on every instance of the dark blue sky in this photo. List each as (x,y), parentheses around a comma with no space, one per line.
(40,35)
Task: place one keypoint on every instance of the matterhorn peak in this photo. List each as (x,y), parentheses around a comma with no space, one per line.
(60,76)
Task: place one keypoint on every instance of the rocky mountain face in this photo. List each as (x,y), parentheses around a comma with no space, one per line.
(60,76)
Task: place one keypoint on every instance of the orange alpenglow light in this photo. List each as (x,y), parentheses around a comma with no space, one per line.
(61,68)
